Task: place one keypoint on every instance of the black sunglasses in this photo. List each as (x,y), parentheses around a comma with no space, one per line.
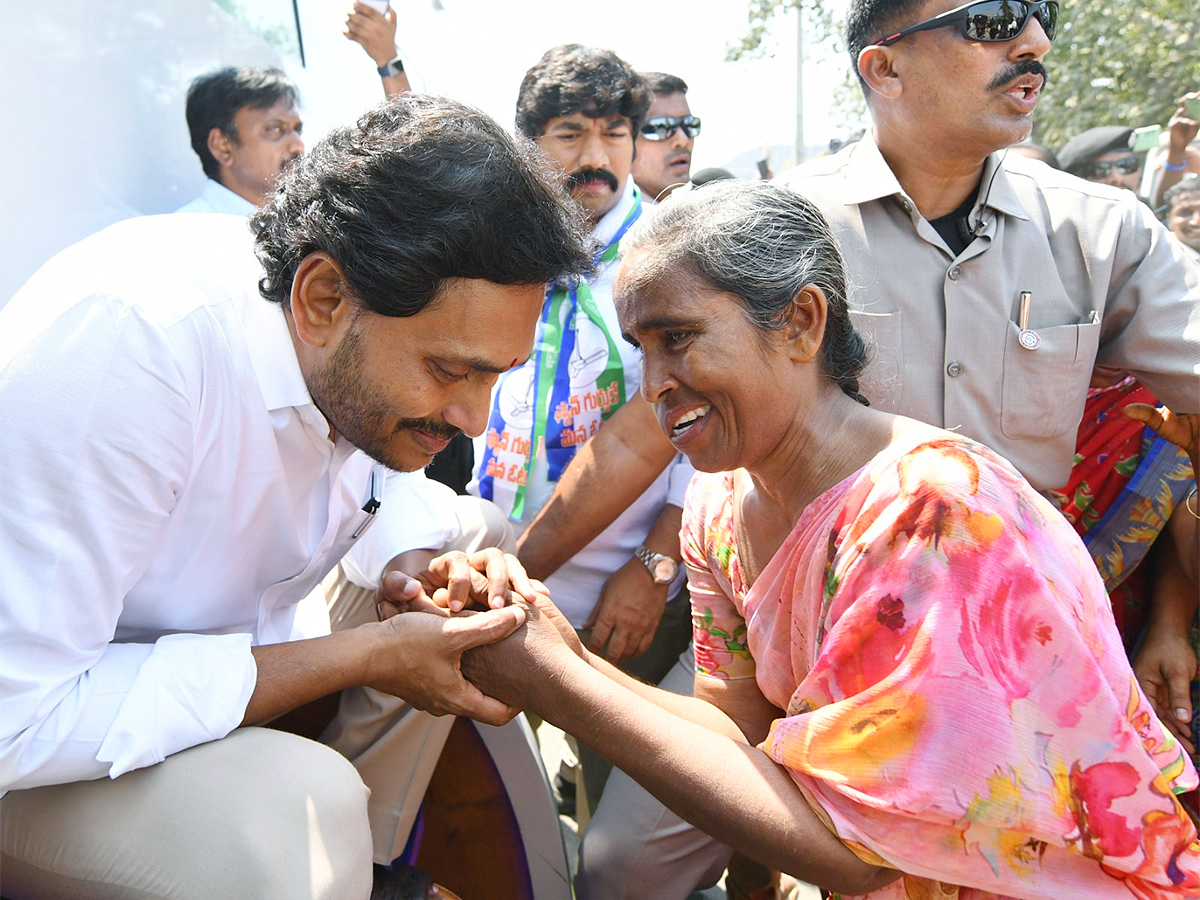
(662,127)
(989,20)
(1126,165)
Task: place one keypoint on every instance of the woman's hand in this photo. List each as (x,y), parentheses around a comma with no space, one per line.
(1164,667)
(1181,430)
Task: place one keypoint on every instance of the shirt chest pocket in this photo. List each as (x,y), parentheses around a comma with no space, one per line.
(1043,390)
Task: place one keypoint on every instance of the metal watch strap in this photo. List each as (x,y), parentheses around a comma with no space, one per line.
(650,560)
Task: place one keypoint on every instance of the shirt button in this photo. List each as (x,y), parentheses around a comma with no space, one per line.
(954,369)
(954,272)
(906,205)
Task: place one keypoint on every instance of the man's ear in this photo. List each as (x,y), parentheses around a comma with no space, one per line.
(877,66)
(321,304)
(220,145)
(805,323)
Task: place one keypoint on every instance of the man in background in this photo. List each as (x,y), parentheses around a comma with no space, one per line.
(246,131)
(664,142)
(1183,214)
(1102,155)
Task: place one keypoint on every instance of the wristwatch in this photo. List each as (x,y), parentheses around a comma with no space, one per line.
(395,67)
(661,567)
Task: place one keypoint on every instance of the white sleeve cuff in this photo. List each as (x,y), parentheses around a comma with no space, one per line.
(191,689)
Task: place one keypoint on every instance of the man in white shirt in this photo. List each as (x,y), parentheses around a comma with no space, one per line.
(624,590)
(246,131)
(186,459)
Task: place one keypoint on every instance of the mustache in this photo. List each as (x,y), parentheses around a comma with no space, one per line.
(1016,70)
(441,430)
(581,175)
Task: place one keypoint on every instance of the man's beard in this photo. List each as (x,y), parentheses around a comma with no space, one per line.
(358,411)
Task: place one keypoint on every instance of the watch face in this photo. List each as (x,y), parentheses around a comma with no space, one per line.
(664,571)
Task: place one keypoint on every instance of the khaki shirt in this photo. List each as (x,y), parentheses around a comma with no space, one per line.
(1109,286)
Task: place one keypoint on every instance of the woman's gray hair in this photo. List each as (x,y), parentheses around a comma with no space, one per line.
(764,244)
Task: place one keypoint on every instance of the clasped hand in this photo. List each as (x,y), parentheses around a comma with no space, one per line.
(459,602)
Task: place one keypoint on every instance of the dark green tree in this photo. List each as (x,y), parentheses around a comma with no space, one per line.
(1113,62)
(1118,63)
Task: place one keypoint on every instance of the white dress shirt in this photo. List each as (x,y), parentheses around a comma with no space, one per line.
(170,497)
(216,198)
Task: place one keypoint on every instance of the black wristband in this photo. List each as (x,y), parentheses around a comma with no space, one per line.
(395,67)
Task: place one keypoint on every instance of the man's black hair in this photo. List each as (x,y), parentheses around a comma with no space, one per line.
(1185,188)
(571,79)
(215,97)
(870,21)
(663,85)
(422,189)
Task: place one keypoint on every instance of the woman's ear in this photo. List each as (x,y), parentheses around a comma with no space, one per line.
(805,324)
(320,305)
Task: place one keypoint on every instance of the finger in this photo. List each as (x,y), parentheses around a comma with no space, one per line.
(590,623)
(495,567)
(600,634)
(485,627)
(1146,414)
(400,588)
(618,645)
(479,706)
(519,579)
(458,579)
(644,645)
(1179,697)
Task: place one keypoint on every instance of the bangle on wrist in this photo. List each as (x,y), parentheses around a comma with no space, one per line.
(1170,168)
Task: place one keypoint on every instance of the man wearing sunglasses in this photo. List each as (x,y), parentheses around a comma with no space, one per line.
(943,232)
(664,143)
(1102,155)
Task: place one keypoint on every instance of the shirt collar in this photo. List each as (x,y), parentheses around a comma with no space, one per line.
(869,177)
(223,200)
(612,220)
(273,355)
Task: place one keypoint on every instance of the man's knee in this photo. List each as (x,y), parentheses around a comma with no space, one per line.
(258,814)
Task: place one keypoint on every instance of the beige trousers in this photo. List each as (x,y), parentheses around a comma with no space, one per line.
(260,813)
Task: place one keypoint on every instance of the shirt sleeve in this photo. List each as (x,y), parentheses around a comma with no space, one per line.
(718,628)
(971,717)
(89,480)
(1151,325)
(416,513)
(680,476)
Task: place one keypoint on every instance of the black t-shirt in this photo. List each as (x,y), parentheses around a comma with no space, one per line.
(955,227)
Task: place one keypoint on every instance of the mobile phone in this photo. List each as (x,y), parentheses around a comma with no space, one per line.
(1192,108)
(380,6)
(764,169)
(1145,138)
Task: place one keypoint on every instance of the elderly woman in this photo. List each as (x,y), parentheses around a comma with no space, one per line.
(909,683)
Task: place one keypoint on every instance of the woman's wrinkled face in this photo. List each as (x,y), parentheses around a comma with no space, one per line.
(713,376)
